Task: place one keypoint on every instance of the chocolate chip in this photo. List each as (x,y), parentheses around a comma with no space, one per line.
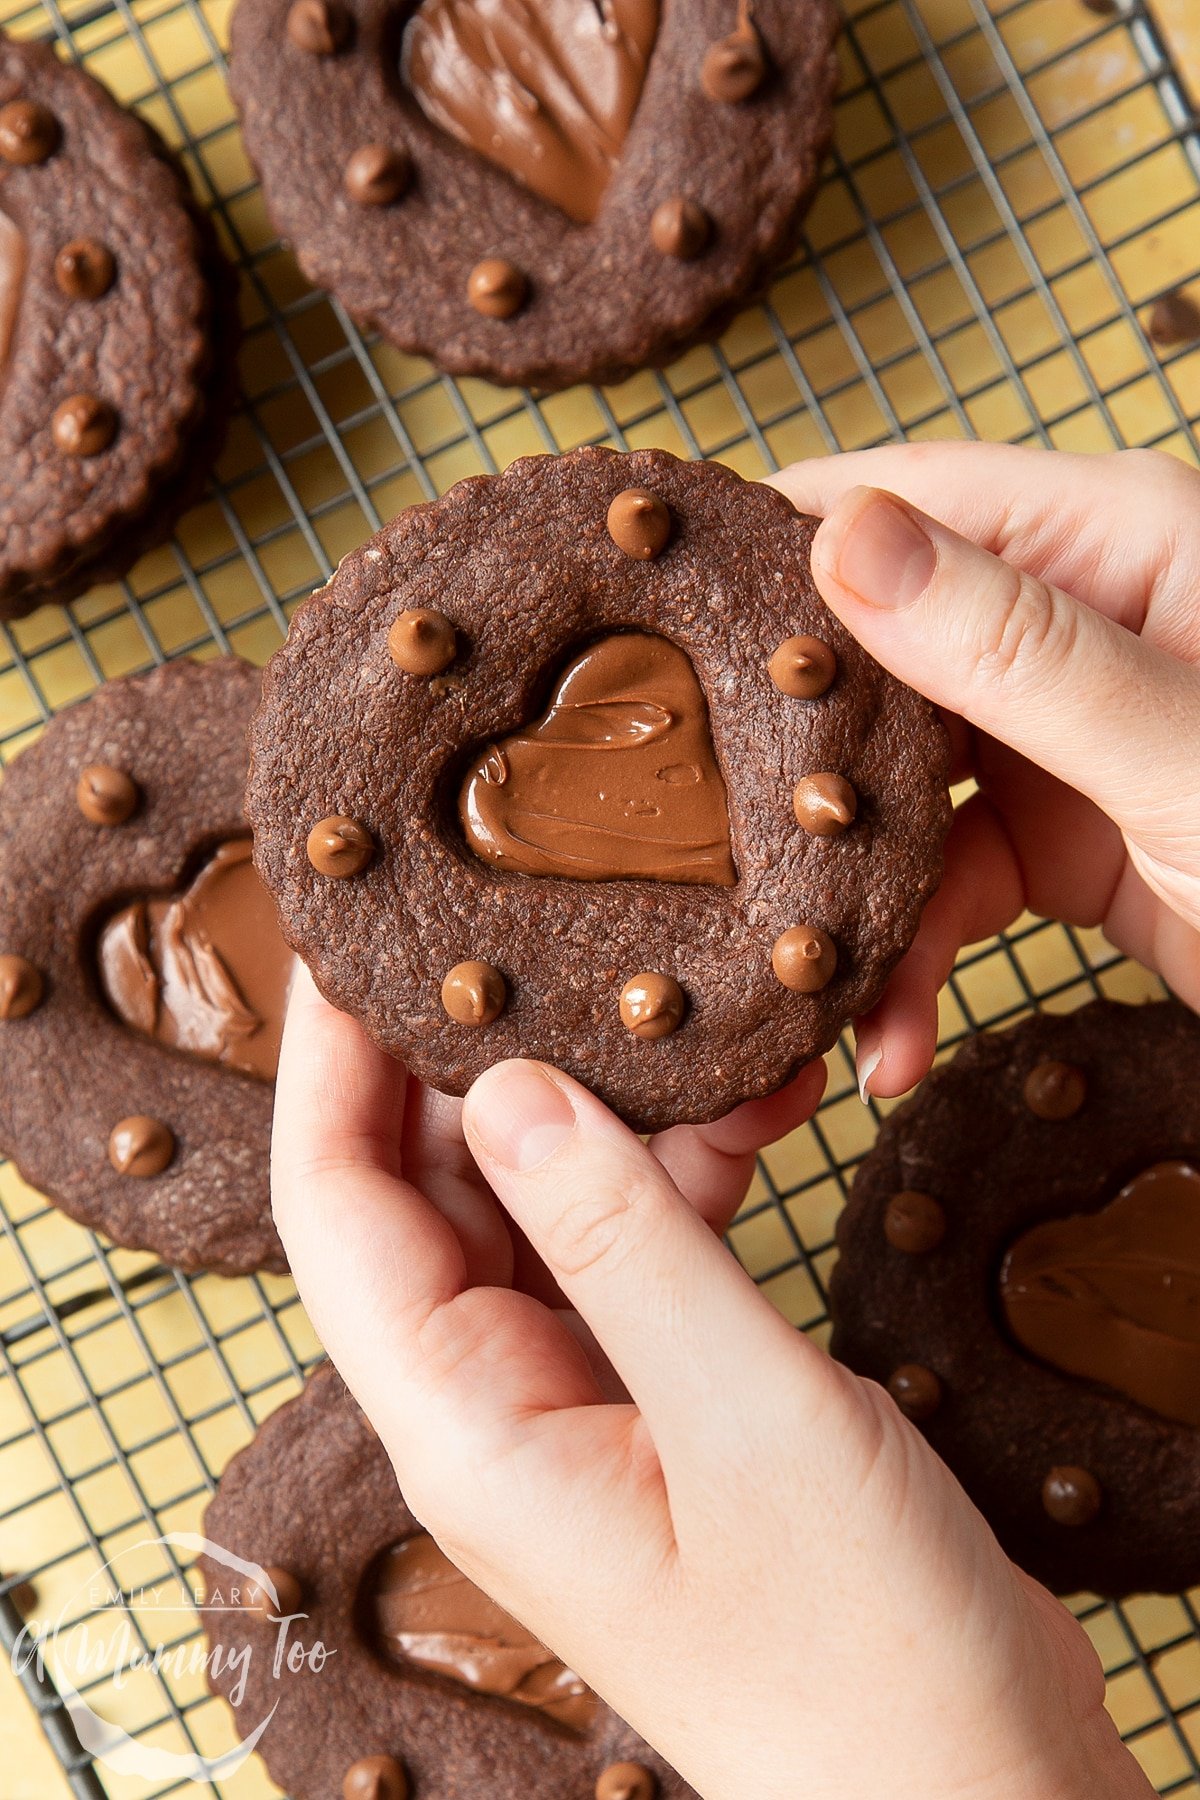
(29,132)
(422,641)
(1174,319)
(651,1006)
(83,426)
(378,174)
(626,1781)
(914,1222)
(106,796)
(375,1778)
(497,288)
(735,67)
(340,847)
(916,1391)
(474,993)
(25,1598)
(803,668)
(1054,1090)
(639,523)
(21,987)
(1071,1496)
(84,269)
(256,1597)
(804,958)
(140,1146)
(319,27)
(680,228)
(824,804)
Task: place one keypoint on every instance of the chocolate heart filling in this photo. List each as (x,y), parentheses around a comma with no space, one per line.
(12,276)
(423,1611)
(546,89)
(616,780)
(206,970)
(1114,1296)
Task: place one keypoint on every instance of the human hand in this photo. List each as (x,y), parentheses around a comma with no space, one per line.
(1062,631)
(747,1551)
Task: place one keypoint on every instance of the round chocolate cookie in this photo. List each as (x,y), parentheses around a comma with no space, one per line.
(539,191)
(400,1672)
(575,764)
(117,334)
(142,974)
(1020,1266)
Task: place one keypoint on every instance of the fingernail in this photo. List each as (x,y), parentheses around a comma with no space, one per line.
(880,552)
(867,1062)
(520,1115)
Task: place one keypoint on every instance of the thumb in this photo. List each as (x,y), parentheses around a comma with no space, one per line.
(682,1324)
(1082,697)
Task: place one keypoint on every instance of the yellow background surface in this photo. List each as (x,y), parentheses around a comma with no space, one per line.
(911,309)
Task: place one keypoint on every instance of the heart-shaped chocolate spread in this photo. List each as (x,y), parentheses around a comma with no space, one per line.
(616,780)
(205,970)
(12,278)
(1114,1296)
(546,89)
(427,1612)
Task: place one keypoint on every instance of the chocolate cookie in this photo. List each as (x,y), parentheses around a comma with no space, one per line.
(117,334)
(575,764)
(142,975)
(539,191)
(1020,1265)
(424,1687)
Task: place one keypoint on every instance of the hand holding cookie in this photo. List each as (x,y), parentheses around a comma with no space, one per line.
(1061,626)
(613,1475)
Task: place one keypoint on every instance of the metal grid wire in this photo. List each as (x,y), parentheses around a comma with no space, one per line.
(1013,182)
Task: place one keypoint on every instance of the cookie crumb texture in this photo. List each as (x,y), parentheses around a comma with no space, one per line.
(118,328)
(132,1097)
(587,197)
(432,1686)
(1057,1311)
(598,787)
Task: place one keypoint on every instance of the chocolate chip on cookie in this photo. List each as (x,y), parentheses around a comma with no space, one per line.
(1043,1326)
(425,1685)
(584,835)
(118,329)
(589,185)
(736,66)
(142,974)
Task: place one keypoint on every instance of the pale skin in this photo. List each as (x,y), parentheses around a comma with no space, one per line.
(741,1546)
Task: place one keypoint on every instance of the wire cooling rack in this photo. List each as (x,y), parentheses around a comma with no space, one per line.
(1013,183)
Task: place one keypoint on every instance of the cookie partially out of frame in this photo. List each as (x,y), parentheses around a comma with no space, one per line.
(575,764)
(1020,1265)
(539,191)
(117,334)
(426,1690)
(142,975)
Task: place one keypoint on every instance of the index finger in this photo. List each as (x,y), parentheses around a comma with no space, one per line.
(1048,511)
